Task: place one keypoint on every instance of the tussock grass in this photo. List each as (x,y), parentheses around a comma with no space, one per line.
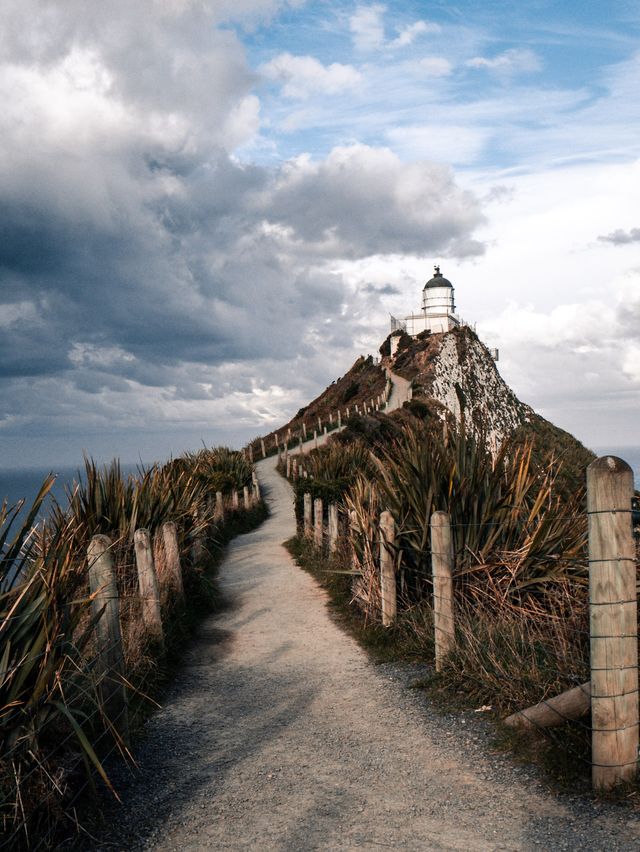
(54,730)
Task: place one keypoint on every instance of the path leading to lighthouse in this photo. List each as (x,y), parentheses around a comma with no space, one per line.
(279,734)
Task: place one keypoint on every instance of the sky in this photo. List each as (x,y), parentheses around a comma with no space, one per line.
(208,209)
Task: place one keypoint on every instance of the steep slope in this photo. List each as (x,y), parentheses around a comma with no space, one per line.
(454,374)
(447,377)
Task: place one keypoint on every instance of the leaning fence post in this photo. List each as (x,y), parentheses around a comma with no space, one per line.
(333,526)
(172,557)
(307,514)
(613,623)
(148,584)
(442,567)
(106,609)
(387,569)
(317,518)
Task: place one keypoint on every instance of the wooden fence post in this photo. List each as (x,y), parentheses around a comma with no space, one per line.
(256,492)
(288,471)
(172,557)
(218,514)
(308,525)
(304,430)
(197,542)
(613,623)
(235,500)
(102,583)
(301,448)
(315,439)
(387,569)
(246,495)
(442,567)
(317,519)
(319,425)
(148,585)
(339,420)
(263,448)
(333,527)
(294,469)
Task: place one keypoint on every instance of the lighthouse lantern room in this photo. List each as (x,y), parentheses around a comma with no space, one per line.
(438,312)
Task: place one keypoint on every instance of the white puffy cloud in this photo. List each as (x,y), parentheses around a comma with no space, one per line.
(512,61)
(435,66)
(367,27)
(302,76)
(407,35)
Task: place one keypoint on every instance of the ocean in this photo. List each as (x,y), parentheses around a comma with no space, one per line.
(24,483)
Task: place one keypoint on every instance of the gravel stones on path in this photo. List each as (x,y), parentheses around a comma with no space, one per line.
(279,734)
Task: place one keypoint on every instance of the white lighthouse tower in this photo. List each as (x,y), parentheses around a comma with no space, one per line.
(438,312)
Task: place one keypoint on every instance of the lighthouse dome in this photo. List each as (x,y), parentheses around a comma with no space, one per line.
(438,280)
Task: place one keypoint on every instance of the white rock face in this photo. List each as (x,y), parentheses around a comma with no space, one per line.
(458,372)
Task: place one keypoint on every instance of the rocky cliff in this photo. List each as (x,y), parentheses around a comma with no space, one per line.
(455,375)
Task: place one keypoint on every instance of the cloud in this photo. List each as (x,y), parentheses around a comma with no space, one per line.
(407,35)
(302,76)
(367,27)
(513,61)
(151,279)
(620,237)
(435,66)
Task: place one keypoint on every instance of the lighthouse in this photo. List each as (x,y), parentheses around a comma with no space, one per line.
(438,312)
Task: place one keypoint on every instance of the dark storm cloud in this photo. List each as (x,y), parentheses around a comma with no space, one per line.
(137,252)
(621,238)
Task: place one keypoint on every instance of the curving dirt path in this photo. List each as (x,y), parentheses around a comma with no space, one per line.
(400,391)
(280,735)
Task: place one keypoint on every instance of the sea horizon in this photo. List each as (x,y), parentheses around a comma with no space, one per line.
(24,482)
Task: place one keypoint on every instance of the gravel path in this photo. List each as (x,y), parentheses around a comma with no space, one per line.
(280,735)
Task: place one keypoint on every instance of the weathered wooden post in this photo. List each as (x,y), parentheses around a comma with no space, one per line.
(256,492)
(218,512)
(319,425)
(325,430)
(263,448)
(288,471)
(197,542)
(304,430)
(251,453)
(172,557)
(148,585)
(235,500)
(357,409)
(317,519)
(330,418)
(339,419)
(308,525)
(333,527)
(301,448)
(106,609)
(613,623)
(347,413)
(387,569)
(442,567)
(294,469)
(246,495)
(315,439)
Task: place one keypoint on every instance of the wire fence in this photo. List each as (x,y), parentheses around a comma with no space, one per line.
(65,701)
(562,634)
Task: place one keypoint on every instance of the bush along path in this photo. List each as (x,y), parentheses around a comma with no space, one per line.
(280,734)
